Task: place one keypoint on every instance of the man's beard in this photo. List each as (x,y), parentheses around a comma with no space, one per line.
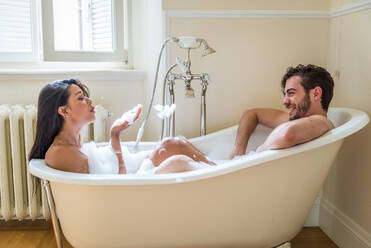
(302,108)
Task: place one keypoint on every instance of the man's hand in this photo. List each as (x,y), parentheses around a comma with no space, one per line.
(249,120)
(238,151)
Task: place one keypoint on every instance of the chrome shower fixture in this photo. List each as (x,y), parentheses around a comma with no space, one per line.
(187,77)
(207,50)
(189,43)
(189,91)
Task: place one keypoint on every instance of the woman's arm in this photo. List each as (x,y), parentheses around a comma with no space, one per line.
(115,132)
(116,146)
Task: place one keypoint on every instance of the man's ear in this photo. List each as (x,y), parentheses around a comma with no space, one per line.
(62,111)
(317,93)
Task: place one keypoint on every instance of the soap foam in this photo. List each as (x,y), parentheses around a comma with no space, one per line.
(164,111)
(146,168)
(128,116)
(133,161)
(102,159)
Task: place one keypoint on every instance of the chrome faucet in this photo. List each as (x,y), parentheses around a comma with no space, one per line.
(187,76)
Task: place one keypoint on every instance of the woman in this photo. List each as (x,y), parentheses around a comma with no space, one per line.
(64,108)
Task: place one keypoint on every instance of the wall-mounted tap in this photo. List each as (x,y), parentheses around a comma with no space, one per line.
(187,76)
(188,43)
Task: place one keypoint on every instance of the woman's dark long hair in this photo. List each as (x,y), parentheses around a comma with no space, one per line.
(49,122)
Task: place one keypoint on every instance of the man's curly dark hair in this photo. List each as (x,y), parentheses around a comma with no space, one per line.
(313,76)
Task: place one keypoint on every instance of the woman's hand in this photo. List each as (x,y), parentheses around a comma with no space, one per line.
(118,126)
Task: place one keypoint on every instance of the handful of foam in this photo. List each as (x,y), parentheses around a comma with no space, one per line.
(164,111)
(128,116)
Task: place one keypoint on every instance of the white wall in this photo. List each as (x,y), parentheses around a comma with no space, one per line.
(347,189)
(149,35)
(117,96)
(251,57)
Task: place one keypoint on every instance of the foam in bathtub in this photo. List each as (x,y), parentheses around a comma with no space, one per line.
(134,161)
(102,159)
(147,167)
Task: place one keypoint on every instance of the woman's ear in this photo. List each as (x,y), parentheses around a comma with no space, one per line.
(62,111)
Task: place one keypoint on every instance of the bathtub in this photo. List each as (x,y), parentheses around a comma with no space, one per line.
(260,200)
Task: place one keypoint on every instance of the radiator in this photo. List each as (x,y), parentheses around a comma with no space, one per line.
(17,133)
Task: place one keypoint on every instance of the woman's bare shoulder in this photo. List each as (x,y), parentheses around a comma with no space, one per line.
(67,158)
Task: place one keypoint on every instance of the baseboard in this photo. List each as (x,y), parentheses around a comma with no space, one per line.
(313,217)
(25,225)
(341,229)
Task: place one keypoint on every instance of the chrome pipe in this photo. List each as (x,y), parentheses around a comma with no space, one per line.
(203,108)
(55,220)
(171,130)
(186,43)
(166,81)
(144,123)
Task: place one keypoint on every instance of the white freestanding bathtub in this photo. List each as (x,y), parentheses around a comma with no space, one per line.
(260,200)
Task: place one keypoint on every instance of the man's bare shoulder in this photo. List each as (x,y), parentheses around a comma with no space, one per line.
(320,119)
(271,117)
(67,158)
(307,128)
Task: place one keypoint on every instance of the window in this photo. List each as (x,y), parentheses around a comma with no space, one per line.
(73,30)
(18,30)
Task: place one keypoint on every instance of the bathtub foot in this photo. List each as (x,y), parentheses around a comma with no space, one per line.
(55,221)
(284,245)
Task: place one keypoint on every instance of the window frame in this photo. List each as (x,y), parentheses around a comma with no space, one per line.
(119,53)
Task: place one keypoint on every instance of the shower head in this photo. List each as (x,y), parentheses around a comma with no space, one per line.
(207,50)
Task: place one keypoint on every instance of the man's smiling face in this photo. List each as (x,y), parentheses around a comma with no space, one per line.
(296,100)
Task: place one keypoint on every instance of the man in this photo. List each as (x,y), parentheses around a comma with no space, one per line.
(307,91)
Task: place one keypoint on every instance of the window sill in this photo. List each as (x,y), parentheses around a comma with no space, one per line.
(83,74)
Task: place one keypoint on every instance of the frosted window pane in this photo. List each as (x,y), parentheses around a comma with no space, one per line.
(82,25)
(15,26)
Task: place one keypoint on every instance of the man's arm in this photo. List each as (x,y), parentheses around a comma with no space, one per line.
(296,132)
(249,120)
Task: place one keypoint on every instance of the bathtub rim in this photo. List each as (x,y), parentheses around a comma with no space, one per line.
(358,119)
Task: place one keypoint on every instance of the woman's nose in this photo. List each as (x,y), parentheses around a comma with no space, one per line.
(89,100)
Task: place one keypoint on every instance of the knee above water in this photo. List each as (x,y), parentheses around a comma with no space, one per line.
(181,162)
(170,141)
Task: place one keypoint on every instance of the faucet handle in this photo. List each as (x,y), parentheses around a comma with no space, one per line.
(205,77)
(181,65)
